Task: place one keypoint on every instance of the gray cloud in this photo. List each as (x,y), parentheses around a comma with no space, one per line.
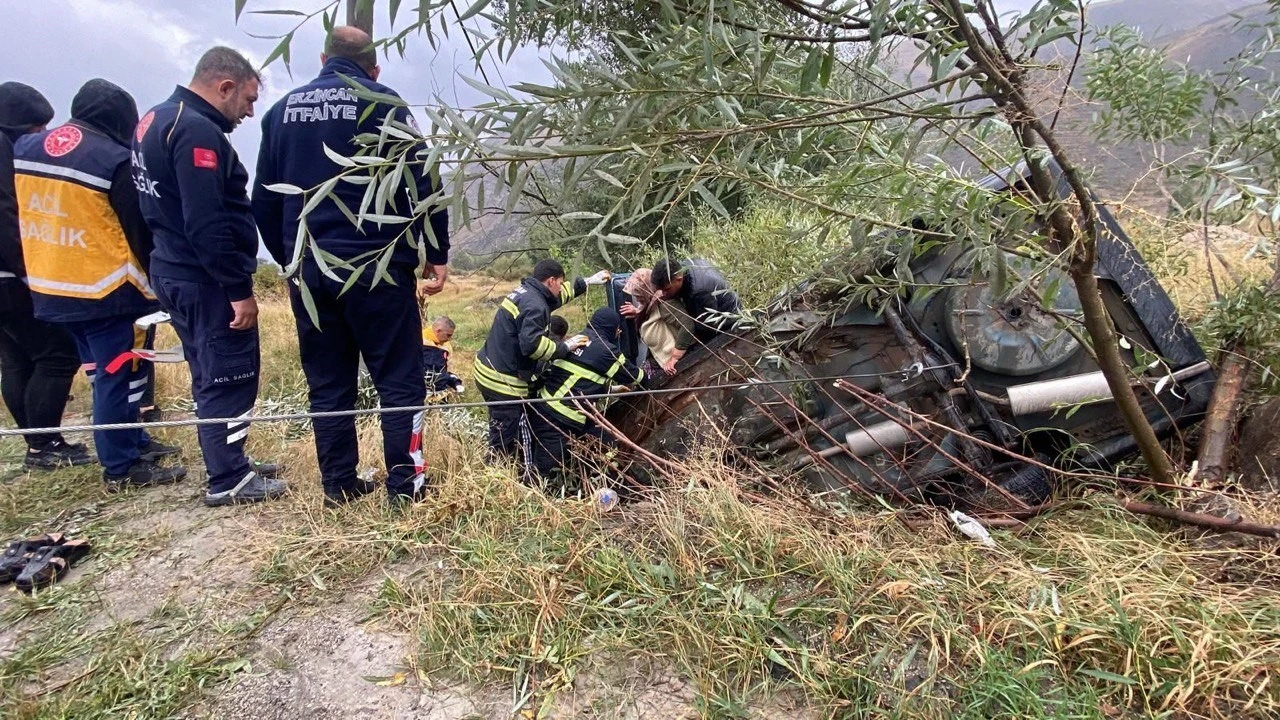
(149,46)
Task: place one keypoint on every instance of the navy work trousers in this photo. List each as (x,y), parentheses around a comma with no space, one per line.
(116,396)
(38,361)
(382,325)
(508,426)
(224,373)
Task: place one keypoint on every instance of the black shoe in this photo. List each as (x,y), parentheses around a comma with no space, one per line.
(154,450)
(268,470)
(419,493)
(144,474)
(255,488)
(342,496)
(56,455)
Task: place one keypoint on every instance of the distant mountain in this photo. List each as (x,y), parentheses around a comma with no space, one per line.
(1160,18)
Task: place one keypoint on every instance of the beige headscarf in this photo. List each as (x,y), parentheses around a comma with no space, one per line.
(640,286)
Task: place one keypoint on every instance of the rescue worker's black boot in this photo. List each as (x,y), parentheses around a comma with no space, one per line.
(143,474)
(58,454)
(336,498)
(268,470)
(252,489)
(153,450)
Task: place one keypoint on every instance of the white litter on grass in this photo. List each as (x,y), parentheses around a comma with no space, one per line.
(972,529)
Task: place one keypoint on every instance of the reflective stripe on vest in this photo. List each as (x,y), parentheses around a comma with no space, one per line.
(500,382)
(576,373)
(72,241)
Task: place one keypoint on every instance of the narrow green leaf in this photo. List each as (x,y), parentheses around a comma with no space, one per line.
(239,8)
(710,198)
(284,188)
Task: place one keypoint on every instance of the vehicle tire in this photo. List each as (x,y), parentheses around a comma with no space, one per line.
(1029,483)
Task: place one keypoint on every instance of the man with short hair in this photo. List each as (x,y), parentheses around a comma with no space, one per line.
(38,360)
(92,279)
(193,193)
(706,298)
(517,343)
(436,349)
(374,315)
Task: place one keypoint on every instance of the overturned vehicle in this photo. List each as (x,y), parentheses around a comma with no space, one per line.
(950,391)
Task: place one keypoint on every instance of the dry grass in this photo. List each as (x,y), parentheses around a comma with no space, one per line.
(1086,612)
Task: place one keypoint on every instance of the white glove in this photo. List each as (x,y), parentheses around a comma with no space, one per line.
(600,278)
(577,341)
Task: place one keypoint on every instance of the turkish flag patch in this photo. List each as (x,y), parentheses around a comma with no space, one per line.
(204,158)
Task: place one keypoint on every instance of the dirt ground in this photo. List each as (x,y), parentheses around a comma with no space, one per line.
(319,658)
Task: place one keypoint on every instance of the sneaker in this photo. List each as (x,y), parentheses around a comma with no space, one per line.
(268,470)
(144,474)
(362,487)
(154,450)
(252,489)
(58,454)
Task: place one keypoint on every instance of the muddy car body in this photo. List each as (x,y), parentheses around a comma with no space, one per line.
(939,393)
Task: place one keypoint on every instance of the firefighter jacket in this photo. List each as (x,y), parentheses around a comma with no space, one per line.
(518,338)
(194,195)
(83,237)
(326,113)
(590,370)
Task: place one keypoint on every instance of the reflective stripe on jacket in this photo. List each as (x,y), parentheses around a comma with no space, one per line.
(79,262)
(590,370)
(518,338)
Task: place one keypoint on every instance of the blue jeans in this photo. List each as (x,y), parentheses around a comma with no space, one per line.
(115,395)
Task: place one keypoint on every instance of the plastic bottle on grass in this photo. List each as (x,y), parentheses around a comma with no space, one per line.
(605,500)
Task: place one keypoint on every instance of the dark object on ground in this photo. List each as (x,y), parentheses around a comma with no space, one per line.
(1258,452)
(949,388)
(49,564)
(19,552)
(144,474)
(58,454)
(267,470)
(151,414)
(343,496)
(397,501)
(155,450)
(255,489)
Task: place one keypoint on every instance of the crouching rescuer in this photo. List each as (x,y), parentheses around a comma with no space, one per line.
(518,342)
(86,248)
(596,367)
(362,302)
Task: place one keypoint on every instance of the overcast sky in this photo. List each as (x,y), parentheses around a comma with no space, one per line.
(149,46)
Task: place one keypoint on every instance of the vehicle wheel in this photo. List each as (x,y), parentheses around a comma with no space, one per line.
(1029,483)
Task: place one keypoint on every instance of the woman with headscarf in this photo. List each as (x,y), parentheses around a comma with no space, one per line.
(661,321)
(596,368)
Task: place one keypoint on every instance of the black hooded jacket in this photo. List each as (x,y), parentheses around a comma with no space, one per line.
(109,110)
(21,109)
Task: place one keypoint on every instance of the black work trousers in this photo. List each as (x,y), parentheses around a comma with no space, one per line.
(382,325)
(38,361)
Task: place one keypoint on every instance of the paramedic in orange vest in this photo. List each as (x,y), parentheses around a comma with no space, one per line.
(86,247)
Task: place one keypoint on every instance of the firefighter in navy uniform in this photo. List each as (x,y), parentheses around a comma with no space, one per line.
(596,368)
(375,318)
(86,247)
(194,196)
(518,341)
